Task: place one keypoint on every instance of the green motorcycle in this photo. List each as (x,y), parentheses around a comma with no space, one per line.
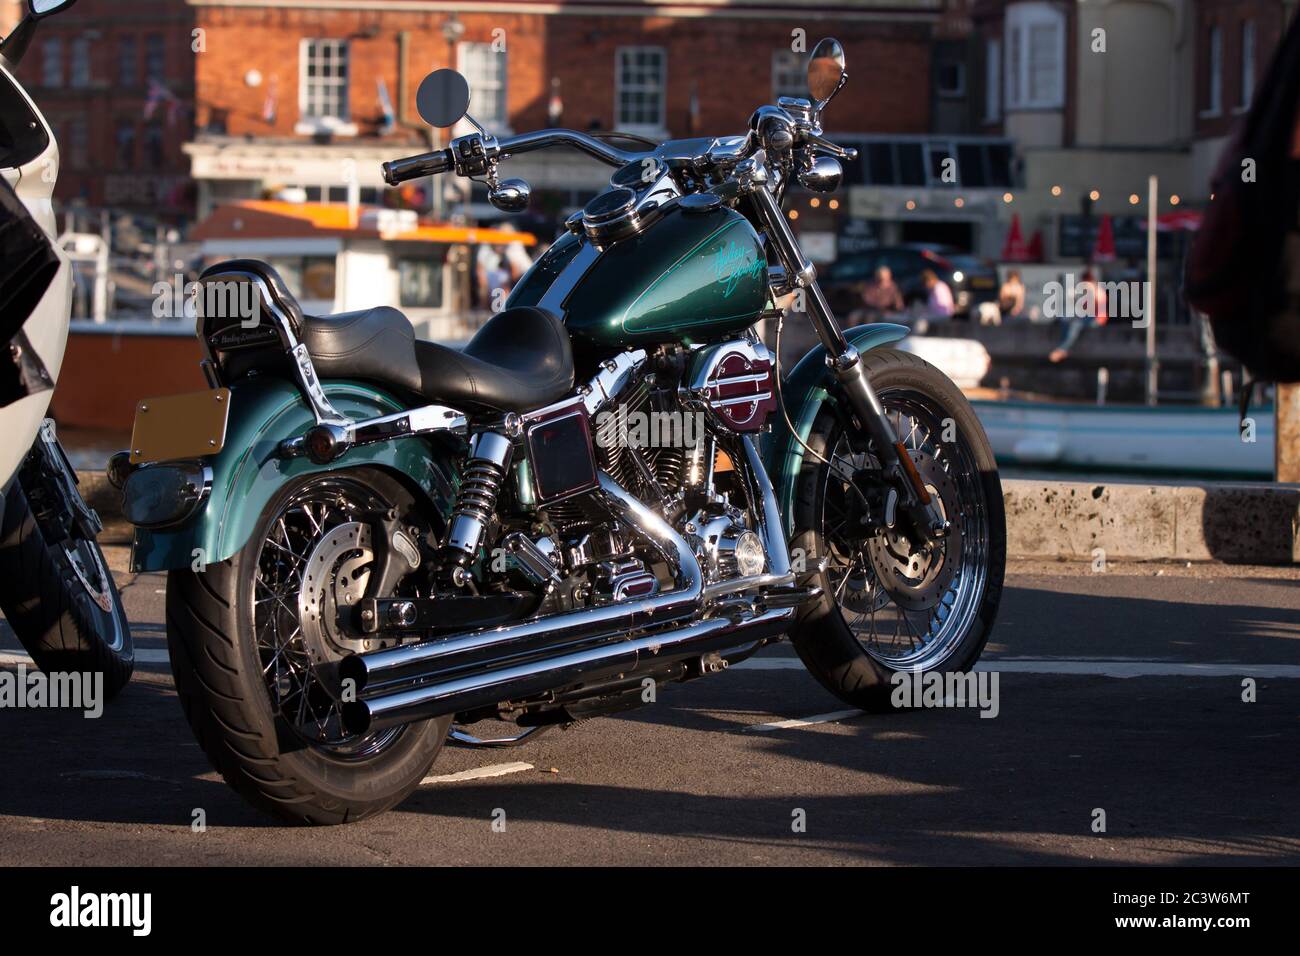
(373,542)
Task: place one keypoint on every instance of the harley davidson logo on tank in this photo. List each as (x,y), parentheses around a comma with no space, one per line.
(734,262)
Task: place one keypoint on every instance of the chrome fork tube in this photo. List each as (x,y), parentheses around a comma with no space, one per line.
(846,364)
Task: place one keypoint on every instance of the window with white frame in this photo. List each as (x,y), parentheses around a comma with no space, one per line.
(80,62)
(992,80)
(1247,63)
(640,81)
(789,75)
(52,62)
(485,68)
(323,87)
(1035,45)
(1214,73)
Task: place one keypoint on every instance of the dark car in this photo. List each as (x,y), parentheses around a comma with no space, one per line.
(973,280)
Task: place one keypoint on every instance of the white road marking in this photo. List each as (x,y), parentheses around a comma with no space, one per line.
(1085,667)
(142,656)
(803,721)
(478,773)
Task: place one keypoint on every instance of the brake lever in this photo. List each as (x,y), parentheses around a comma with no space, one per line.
(826,146)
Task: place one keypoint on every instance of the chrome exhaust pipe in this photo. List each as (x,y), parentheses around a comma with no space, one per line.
(544,636)
(440,697)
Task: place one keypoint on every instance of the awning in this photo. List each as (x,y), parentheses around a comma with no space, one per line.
(276,219)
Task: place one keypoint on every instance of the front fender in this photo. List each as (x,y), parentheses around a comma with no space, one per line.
(803,392)
(248,472)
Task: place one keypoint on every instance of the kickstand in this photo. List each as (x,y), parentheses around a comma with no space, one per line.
(459,738)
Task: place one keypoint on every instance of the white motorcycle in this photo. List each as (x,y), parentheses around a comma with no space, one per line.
(55,587)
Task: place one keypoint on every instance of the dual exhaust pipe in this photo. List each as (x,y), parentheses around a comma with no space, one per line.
(484,667)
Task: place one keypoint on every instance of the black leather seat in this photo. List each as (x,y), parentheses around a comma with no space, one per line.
(519,360)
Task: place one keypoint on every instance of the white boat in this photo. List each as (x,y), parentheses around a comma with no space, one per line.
(1164,439)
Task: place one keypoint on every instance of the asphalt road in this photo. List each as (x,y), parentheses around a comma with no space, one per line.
(1119,692)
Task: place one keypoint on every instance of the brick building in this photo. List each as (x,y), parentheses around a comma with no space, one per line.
(1234,42)
(116,82)
(312,96)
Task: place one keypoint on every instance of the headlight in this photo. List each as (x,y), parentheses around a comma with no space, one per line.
(160,495)
(958,276)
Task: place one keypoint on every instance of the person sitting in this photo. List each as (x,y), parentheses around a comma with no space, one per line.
(881,295)
(939,302)
(1011,297)
(1089,310)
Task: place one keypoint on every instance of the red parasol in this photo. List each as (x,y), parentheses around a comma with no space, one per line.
(1104,250)
(1014,249)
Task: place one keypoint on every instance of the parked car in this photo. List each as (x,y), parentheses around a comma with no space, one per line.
(973,280)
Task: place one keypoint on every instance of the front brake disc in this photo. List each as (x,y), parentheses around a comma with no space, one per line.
(916,578)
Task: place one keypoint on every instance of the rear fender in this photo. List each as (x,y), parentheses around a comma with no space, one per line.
(803,391)
(249,472)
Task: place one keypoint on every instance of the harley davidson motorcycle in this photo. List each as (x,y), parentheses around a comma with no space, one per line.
(56,590)
(374,542)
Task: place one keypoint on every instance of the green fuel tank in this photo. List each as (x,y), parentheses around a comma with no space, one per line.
(691,275)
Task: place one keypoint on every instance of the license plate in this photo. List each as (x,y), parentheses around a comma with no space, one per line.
(981,283)
(180,426)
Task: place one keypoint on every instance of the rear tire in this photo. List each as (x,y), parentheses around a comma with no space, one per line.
(219,678)
(833,653)
(51,609)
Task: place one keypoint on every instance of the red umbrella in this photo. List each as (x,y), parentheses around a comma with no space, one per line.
(1184,220)
(1014,249)
(1036,247)
(1104,250)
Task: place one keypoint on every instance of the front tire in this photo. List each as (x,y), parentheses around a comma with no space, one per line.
(224,630)
(940,611)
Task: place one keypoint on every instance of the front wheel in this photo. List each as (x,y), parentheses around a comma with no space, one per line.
(889,606)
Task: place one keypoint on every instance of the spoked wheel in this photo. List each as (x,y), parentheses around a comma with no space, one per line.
(314,566)
(254,642)
(891,602)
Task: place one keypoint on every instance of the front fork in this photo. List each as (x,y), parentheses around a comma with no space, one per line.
(845,362)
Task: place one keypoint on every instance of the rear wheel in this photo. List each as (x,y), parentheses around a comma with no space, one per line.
(252,641)
(888,605)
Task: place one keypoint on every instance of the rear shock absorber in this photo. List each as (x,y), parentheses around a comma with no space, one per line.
(485,469)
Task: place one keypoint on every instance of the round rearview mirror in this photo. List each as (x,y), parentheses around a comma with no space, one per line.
(43,8)
(443,98)
(826,71)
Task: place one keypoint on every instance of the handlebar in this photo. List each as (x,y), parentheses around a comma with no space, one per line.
(479,153)
(542,138)
(416,167)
